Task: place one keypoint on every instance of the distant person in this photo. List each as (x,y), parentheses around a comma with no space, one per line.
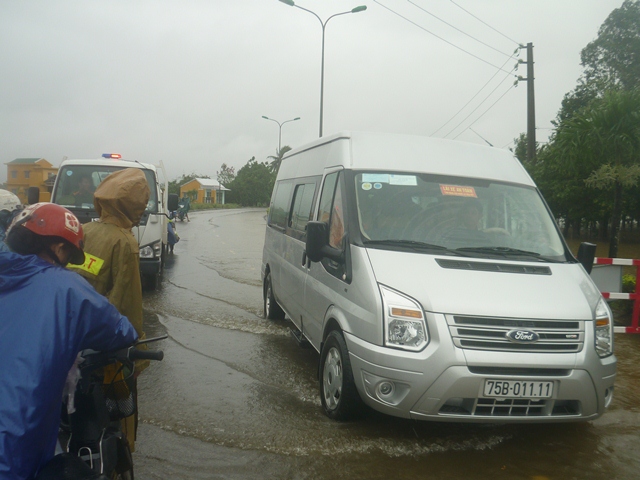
(112,263)
(172,234)
(49,314)
(84,194)
(186,206)
(10,206)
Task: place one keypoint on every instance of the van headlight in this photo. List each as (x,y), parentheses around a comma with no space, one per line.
(604,329)
(151,251)
(404,325)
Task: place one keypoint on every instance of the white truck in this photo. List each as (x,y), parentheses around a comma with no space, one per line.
(151,233)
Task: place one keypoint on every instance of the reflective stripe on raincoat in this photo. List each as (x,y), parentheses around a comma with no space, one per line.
(47,315)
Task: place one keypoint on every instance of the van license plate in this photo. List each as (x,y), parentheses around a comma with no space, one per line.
(517,389)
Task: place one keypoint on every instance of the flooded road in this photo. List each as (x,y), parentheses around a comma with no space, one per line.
(237,398)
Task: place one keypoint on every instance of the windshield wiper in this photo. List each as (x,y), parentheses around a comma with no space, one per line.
(504,251)
(410,244)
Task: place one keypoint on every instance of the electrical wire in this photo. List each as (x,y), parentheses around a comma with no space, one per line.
(473,98)
(457,29)
(479,105)
(492,105)
(485,23)
(439,37)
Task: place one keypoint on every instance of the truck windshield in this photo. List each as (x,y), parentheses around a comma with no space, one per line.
(456,215)
(76,183)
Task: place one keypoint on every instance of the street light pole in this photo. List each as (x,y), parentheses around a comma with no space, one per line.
(280,129)
(361,8)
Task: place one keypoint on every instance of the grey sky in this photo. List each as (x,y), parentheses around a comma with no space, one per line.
(187,81)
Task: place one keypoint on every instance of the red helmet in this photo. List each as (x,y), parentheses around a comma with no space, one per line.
(51,220)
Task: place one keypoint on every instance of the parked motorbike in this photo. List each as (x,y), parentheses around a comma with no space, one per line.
(182,212)
(94,446)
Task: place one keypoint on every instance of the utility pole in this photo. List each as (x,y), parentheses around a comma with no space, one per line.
(531,105)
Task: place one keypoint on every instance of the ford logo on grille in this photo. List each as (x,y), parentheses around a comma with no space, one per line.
(523,336)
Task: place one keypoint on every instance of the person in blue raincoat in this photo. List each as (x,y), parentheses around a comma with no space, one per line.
(49,314)
(172,233)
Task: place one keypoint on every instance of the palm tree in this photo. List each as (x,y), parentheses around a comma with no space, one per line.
(276,160)
(605,136)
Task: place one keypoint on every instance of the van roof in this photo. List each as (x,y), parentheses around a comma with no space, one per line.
(102,162)
(399,152)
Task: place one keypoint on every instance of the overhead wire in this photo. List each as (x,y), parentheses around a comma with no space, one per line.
(439,37)
(457,29)
(479,105)
(485,23)
(473,98)
(498,69)
(492,105)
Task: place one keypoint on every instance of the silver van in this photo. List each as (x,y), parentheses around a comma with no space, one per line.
(432,279)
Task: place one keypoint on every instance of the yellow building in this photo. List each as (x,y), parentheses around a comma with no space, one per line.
(203,190)
(23,173)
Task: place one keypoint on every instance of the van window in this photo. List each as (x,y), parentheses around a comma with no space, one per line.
(326,199)
(332,209)
(280,205)
(302,205)
(336,227)
(461,216)
(76,184)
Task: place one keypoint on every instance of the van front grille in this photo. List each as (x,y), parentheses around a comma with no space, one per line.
(490,333)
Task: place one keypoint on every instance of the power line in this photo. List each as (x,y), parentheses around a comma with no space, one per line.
(479,105)
(485,23)
(492,105)
(439,37)
(472,98)
(457,29)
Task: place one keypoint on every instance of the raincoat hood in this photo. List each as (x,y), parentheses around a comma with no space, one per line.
(122,198)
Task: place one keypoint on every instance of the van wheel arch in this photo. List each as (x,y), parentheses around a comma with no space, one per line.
(338,392)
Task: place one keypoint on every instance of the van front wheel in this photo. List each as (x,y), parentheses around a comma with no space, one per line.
(338,393)
(272,310)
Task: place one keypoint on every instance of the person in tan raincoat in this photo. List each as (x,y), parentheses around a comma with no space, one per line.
(112,255)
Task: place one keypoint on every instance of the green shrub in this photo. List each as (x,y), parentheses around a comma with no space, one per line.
(628,283)
(212,206)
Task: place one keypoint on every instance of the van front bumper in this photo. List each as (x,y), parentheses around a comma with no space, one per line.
(437,384)
(150,266)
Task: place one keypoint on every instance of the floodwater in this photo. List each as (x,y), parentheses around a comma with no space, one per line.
(237,398)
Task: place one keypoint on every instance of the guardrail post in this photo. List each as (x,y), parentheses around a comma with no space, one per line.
(635,316)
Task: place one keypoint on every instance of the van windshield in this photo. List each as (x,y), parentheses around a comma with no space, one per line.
(76,184)
(455,215)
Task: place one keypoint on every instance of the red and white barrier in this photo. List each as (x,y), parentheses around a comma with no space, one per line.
(635,316)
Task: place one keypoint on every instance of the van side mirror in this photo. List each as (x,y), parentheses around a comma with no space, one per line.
(33,195)
(172,202)
(317,246)
(586,255)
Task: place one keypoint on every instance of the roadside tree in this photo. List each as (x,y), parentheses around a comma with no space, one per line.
(226,175)
(253,184)
(604,139)
(276,160)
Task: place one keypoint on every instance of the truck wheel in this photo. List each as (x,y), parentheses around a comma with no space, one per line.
(338,393)
(272,310)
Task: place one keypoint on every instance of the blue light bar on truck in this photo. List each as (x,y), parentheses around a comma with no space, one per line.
(111,155)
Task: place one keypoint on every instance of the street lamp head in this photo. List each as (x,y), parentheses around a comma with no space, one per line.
(266,117)
(297,118)
(288,2)
(361,8)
